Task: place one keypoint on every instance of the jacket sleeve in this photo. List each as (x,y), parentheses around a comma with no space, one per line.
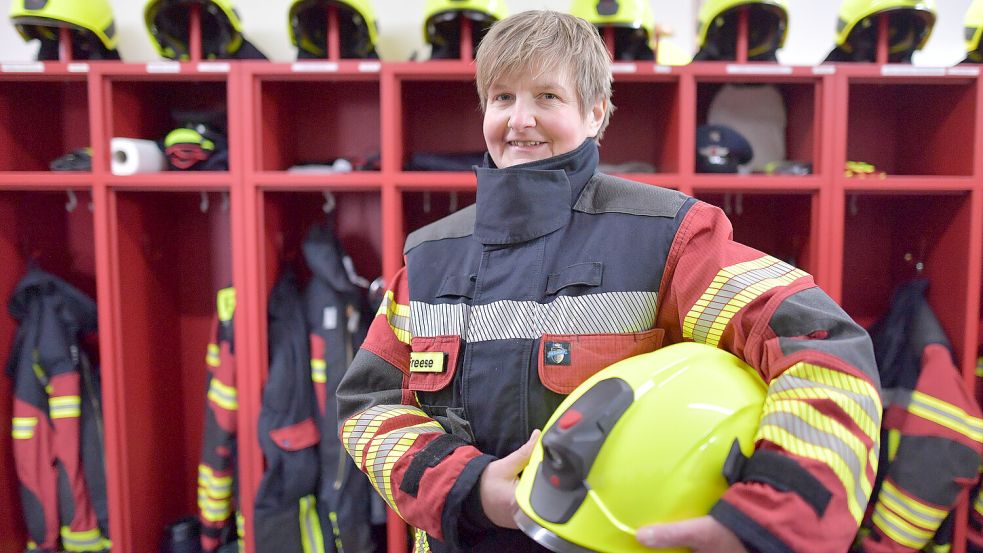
(817,443)
(423,472)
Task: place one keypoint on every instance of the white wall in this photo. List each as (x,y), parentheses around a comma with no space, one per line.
(811,29)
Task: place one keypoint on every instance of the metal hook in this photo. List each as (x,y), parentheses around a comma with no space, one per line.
(225,201)
(452,202)
(426,202)
(727,208)
(852,206)
(203,205)
(329,202)
(739,203)
(72,202)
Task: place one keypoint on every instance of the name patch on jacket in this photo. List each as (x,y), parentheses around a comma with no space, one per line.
(427,361)
(556,353)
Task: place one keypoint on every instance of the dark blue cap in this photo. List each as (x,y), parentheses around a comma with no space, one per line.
(720,149)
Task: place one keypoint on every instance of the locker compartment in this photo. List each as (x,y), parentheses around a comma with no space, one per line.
(355,219)
(41,120)
(63,246)
(316,121)
(644,126)
(439,117)
(779,225)
(890,239)
(802,117)
(421,208)
(912,128)
(156,101)
(170,260)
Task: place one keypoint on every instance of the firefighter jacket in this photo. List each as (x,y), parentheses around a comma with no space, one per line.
(285,513)
(217,469)
(974,535)
(931,434)
(454,371)
(56,427)
(336,320)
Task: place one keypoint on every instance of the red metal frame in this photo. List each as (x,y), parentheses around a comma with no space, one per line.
(255,185)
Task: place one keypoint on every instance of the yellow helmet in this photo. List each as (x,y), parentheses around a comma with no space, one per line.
(441,24)
(632,20)
(973,27)
(910,25)
(167,23)
(656,413)
(91,22)
(357,25)
(717,30)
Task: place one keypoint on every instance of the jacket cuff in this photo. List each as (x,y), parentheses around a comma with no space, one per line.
(463,519)
(755,538)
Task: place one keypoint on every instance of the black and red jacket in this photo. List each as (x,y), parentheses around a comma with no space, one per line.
(454,371)
(57,442)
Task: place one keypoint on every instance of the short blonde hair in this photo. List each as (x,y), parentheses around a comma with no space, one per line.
(542,41)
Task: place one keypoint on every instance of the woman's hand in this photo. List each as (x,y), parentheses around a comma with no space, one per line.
(701,535)
(498,483)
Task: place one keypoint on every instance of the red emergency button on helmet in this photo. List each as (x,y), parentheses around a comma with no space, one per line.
(569,419)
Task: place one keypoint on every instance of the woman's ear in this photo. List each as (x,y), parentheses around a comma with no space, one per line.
(595,117)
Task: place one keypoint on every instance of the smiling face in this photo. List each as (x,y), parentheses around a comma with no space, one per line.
(536,115)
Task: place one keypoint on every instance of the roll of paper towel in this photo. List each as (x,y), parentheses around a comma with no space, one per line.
(135,155)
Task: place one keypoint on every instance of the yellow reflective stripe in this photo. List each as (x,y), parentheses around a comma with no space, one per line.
(359,430)
(216,486)
(420,543)
(336,528)
(85,540)
(946,414)
(802,448)
(398,316)
(22,428)
(910,508)
(222,395)
(225,303)
(310,527)
(857,397)
(978,504)
(825,432)
(979,367)
(64,407)
(213,357)
(900,530)
(386,449)
(319,370)
(731,290)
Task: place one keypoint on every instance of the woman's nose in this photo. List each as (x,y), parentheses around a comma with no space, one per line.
(522,116)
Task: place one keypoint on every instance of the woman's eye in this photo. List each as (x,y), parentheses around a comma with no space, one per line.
(503,97)
(550,96)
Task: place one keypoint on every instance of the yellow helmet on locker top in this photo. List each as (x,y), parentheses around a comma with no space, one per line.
(910,25)
(91,22)
(357,25)
(221,28)
(632,21)
(973,27)
(717,29)
(672,415)
(442,30)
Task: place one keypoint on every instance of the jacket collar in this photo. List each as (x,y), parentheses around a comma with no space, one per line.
(530,200)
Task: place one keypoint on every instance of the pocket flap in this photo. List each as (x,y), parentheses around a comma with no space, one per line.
(297,436)
(433,362)
(581,274)
(457,286)
(567,360)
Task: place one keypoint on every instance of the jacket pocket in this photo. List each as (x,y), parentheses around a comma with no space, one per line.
(433,362)
(567,360)
(457,286)
(582,274)
(297,436)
